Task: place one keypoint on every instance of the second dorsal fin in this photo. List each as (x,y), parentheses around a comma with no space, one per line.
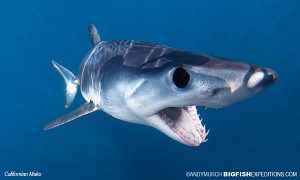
(94,36)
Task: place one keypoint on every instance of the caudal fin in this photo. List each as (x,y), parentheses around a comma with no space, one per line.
(70,80)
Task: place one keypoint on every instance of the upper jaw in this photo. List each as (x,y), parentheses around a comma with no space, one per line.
(182,124)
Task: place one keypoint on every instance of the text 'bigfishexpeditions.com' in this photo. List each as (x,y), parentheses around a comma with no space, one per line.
(244,174)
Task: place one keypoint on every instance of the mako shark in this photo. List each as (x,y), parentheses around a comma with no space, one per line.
(157,85)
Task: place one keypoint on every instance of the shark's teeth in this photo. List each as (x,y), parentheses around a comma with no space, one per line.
(207,132)
(193,135)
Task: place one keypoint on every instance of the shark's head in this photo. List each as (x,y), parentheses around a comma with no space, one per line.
(167,95)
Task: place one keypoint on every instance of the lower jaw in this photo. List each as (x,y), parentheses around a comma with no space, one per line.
(185,123)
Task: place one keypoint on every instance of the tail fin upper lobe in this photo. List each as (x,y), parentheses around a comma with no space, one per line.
(70,80)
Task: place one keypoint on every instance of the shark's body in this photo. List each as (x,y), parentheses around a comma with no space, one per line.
(157,85)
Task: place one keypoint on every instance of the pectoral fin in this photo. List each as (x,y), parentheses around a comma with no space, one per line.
(81,111)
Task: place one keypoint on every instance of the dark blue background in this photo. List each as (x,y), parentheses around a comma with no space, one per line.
(261,133)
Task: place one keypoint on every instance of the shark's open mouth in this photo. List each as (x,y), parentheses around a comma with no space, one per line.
(185,122)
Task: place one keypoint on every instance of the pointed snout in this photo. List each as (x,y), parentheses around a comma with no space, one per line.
(262,77)
(271,75)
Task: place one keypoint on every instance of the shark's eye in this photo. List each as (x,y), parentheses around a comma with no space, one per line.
(181,78)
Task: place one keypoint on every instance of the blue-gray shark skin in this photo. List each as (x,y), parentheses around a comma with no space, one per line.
(158,86)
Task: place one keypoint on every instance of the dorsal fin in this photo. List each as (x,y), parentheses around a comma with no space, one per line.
(94,36)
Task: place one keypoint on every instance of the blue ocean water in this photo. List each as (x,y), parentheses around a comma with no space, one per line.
(258,134)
